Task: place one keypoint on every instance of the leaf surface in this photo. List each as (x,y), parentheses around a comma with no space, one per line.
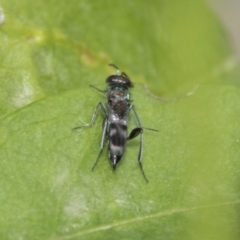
(186,85)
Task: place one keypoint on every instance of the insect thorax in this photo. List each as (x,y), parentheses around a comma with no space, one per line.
(118,101)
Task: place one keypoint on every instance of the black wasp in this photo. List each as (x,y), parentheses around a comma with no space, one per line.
(115,122)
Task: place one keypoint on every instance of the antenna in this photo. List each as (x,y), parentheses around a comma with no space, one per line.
(118,71)
(113,65)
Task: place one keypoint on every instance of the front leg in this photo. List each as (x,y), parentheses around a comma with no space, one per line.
(94,116)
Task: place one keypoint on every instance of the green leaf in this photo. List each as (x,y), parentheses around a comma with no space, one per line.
(186,85)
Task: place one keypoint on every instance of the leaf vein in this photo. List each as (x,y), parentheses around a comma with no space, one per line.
(142,218)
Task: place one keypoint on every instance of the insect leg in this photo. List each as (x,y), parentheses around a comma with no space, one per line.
(136,116)
(150,129)
(103,91)
(94,116)
(138,121)
(135,132)
(102,141)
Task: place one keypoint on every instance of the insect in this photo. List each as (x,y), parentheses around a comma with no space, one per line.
(115,123)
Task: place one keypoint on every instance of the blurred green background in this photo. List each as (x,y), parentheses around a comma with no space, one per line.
(228,12)
(186,85)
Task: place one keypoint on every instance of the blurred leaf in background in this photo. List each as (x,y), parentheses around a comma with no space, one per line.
(186,85)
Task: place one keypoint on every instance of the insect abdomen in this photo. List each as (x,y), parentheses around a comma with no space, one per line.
(117,142)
